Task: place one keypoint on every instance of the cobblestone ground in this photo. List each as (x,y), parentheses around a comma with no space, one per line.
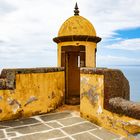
(65,125)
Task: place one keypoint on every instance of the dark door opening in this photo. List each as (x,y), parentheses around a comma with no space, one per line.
(72,57)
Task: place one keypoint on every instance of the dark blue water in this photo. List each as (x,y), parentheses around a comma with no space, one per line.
(132,73)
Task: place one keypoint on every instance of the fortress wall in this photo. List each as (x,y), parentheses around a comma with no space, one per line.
(26,92)
(99,88)
(125,107)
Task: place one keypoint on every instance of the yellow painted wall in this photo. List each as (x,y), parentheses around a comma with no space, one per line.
(91,108)
(89,48)
(35,93)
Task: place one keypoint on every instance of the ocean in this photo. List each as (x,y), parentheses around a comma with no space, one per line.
(132,73)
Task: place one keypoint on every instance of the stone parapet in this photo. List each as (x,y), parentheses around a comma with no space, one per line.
(31,91)
(115,83)
(7,77)
(104,95)
(125,107)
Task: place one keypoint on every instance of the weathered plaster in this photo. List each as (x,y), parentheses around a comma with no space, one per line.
(30,100)
(115,83)
(34,92)
(92,92)
(8,76)
(94,110)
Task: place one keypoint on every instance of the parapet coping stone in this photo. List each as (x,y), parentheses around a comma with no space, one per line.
(98,70)
(125,107)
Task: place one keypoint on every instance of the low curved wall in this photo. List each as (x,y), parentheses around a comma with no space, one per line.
(104,95)
(8,76)
(26,92)
(125,107)
(115,83)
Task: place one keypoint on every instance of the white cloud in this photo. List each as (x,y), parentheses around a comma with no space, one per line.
(128,44)
(109,15)
(104,60)
(28,26)
(5,7)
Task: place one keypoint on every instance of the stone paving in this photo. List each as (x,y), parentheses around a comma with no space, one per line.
(66,125)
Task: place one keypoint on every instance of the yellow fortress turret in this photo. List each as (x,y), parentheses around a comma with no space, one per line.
(78,31)
(76,48)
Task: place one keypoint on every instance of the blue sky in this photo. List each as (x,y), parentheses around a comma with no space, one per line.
(128,33)
(125,44)
(28,26)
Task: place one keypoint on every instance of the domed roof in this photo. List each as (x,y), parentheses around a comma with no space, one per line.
(77,25)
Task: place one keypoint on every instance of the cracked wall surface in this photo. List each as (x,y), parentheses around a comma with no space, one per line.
(92,100)
(115,83)
(30,91)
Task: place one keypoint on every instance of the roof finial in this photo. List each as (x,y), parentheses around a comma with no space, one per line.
(76,11)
